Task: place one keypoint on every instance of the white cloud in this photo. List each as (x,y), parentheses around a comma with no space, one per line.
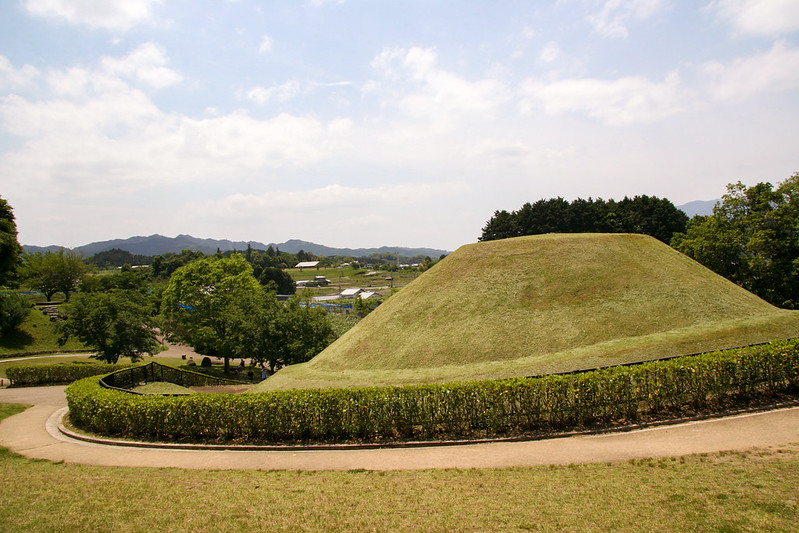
(266,45)
(147,63)
(333,196)
(12,78)
(412,82)
(322,3)
(774,70)
(760,17)
(615,15)
(116,144)
(105,14)
(622,101)
(94,133)
(550,52)
(280,93)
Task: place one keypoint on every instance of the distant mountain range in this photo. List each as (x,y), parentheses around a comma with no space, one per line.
(158,245)
(698,207)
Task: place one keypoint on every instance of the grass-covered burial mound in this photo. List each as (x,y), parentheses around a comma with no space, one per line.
(542,304)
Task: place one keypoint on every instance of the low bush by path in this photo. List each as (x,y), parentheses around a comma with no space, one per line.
(58,373)
(501,408)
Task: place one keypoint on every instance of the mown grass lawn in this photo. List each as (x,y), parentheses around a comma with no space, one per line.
(753,491)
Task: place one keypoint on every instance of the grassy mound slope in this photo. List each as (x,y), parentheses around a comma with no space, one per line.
(541,304)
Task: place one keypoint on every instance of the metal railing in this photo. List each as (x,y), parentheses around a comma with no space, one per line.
(126,379)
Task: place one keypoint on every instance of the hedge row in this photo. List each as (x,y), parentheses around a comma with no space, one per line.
(58,373)
(519,406)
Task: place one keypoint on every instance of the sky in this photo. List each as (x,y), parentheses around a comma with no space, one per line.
(355,123)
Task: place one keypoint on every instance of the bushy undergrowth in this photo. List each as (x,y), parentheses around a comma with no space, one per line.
(60,373)
(519,406)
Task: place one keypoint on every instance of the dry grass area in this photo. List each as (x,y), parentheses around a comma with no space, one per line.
(543,304)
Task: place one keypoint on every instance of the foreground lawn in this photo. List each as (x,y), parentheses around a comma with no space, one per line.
(753,491)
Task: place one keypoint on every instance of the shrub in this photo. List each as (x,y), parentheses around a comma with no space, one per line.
(56,374)
(14,309)
(510,407)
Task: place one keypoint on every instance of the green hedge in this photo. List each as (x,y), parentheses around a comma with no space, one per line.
(509,407)
(59,373)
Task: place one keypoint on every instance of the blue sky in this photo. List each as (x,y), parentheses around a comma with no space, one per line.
(366,123)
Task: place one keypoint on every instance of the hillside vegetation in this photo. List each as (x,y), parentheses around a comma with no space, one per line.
(542,304)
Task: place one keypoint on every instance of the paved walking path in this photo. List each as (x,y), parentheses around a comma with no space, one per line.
(34,434)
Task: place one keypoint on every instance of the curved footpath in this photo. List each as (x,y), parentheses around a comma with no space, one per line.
(34,434)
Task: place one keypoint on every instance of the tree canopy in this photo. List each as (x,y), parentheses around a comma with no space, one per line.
(277,280)
(211,303)
(116,323)
(641,214)
(217,306)
(52,272)
(10,250)
(752,239)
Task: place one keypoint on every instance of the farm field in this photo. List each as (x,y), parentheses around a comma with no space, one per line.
(741,491)
(348,277)
(543,304)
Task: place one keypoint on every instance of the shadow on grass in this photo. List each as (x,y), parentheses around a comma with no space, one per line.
(16,340)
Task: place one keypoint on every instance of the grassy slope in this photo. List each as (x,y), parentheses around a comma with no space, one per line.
(37,334)
(543,304)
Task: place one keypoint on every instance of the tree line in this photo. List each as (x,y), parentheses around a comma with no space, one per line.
(641,214)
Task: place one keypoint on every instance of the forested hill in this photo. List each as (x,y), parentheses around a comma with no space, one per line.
(158,244)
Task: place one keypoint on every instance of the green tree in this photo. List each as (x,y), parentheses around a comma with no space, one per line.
(364,307)
(164,265)
(14,308)
(115,323)
(752,238)
(10,250)
(40,273)
(277,280)
(208,304)
(298,333)
(126,278)
(53,272)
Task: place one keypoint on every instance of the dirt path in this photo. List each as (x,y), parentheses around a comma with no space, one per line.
(34,434)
